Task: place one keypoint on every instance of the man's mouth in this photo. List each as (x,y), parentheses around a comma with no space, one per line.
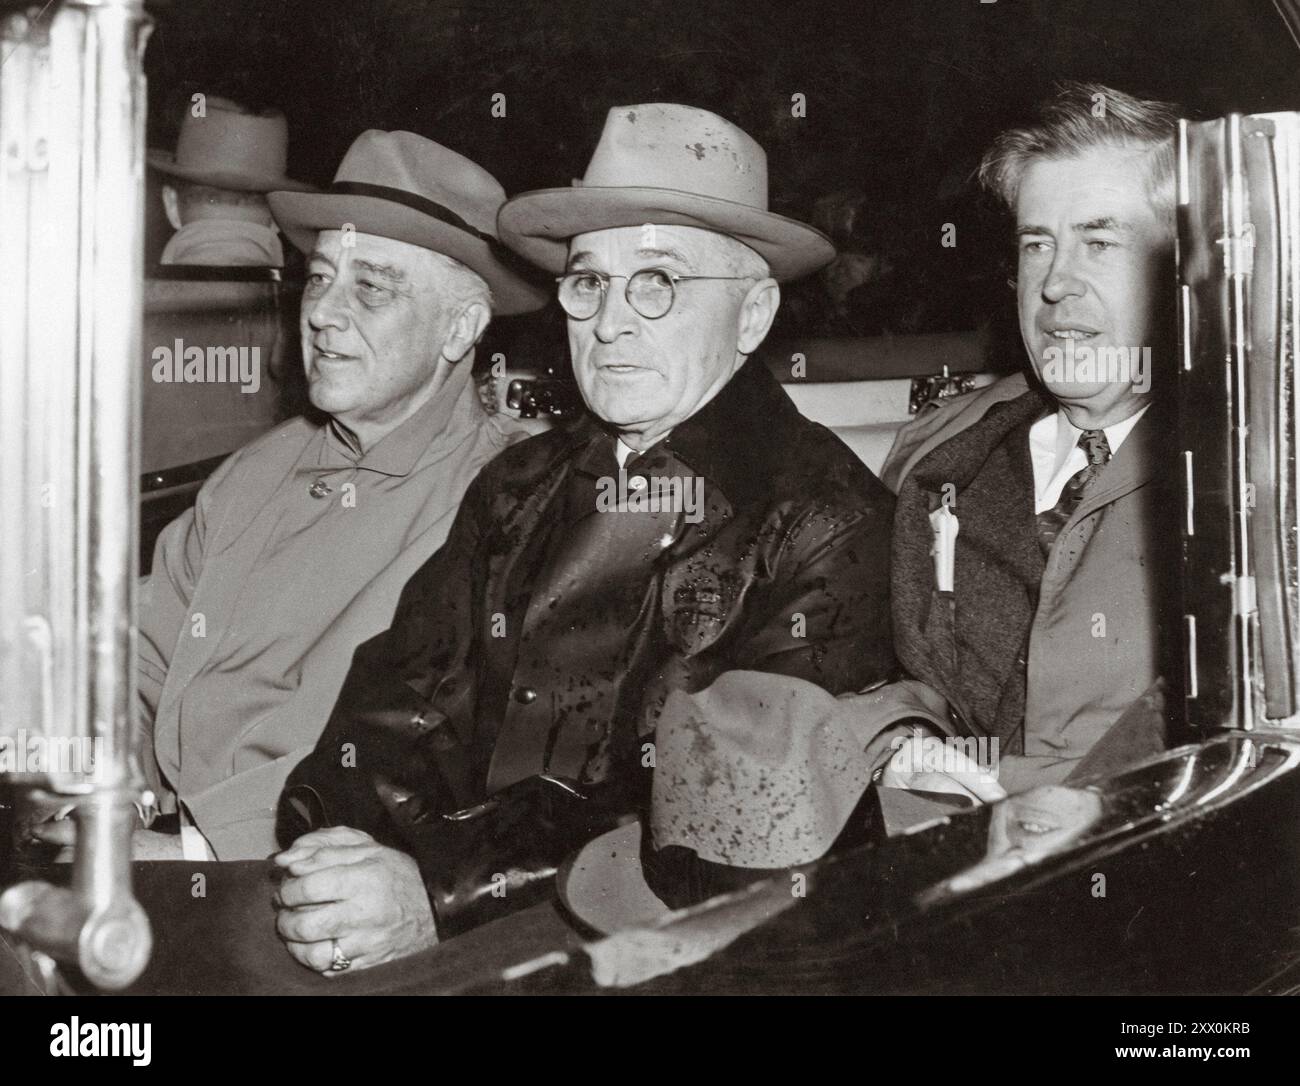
(1071,332)
(330,356)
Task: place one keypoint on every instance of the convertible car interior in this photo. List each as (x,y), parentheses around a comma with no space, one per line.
(1136,867)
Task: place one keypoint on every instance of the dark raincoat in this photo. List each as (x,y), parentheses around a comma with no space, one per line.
(545,635)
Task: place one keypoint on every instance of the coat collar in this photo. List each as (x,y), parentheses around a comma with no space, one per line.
(440,423)
(734,441)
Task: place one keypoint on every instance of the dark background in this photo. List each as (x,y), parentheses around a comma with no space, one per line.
(902,97)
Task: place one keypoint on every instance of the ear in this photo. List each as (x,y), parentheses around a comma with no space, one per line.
(757,312)
(172,205)
(467,328)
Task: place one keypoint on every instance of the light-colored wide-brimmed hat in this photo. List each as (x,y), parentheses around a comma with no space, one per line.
(758,771)
(670,165)
(229,148)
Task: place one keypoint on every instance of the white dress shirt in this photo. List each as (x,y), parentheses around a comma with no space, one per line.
(1054,450)
(625,452)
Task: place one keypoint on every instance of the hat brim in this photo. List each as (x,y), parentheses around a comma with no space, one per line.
(165,162)
(603,886)
(301,215)
(539,224)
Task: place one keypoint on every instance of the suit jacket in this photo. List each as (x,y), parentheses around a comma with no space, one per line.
(545,636)
(1044,654)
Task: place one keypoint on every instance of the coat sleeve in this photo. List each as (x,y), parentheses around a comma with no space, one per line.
(826,616)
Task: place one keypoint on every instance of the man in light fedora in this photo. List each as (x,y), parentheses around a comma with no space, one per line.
(227,159)
(299,544)
(692,524)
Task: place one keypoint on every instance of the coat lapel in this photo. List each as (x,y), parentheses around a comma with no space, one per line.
(967,644)
(1134,465)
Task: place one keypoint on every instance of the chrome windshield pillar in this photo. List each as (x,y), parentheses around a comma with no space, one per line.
(72,110)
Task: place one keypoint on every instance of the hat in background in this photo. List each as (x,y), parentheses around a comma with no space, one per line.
(228,147)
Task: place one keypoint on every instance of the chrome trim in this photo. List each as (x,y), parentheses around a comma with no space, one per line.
(1178,786)
(154,483)
(72,101)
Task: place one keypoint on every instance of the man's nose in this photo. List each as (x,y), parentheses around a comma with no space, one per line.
(1063,279)
(327,309)
(615,317)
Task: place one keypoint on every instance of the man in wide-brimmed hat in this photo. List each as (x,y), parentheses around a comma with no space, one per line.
(300,543)
(227,159)
(693,524)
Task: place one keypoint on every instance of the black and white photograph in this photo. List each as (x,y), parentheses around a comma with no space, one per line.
(651,498)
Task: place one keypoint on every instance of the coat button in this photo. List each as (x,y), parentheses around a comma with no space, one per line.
(637,482)
(525,695)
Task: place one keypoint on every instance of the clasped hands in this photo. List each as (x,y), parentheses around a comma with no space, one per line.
(343,894)
(347,901)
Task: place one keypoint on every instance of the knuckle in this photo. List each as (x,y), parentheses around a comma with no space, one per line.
(312,926)
(286,924)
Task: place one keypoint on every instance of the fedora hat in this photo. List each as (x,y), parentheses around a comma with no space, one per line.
(670,165)
(230,148)
(402,186)
(784,766)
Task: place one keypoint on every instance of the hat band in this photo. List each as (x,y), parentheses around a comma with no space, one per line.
(411,200)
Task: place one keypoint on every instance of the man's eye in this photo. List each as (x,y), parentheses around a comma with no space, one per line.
(1100,245)
(314,283)
(586,284)
(1034,247)
(371,291)
(656,279)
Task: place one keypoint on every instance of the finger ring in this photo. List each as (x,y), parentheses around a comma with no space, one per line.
(340,961)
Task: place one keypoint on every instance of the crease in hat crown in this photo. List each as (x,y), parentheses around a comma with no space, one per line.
(670,165)
(406,187)
(680,148)
(414,164)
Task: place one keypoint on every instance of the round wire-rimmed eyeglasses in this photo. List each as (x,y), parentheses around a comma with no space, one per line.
(651,292)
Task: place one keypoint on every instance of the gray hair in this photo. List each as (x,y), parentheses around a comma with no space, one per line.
(739,258)
(1078,118)
(460,285)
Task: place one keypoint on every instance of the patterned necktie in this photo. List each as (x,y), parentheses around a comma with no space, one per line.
(1051,521)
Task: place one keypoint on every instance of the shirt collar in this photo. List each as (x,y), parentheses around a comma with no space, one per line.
(1067,434)
(623,452)
(735,440)
(440,422)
